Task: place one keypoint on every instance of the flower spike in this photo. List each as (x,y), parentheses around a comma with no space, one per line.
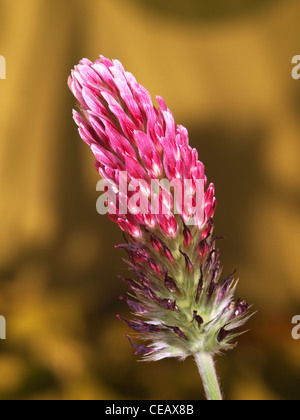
(181,305)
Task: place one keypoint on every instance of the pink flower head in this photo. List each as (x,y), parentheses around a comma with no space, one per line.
(127,133)
(181,306)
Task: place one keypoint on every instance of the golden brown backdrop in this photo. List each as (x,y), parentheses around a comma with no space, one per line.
(224,69)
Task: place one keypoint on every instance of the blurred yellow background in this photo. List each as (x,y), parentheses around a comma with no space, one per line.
(224,69)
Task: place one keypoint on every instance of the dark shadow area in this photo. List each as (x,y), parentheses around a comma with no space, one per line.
(231,157)
(281,377)
(204,10)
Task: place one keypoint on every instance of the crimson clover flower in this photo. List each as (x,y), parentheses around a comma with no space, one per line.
(181,306)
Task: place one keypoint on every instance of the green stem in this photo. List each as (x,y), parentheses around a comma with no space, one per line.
(207,372)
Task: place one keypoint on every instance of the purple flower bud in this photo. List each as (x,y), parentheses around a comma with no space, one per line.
(171,285)
(241,308)
(197,318)
(223,334)
(139,349)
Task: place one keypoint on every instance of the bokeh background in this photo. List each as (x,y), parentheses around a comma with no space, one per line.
(224,69)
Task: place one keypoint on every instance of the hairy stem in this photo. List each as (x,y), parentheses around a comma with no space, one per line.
(207,372)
